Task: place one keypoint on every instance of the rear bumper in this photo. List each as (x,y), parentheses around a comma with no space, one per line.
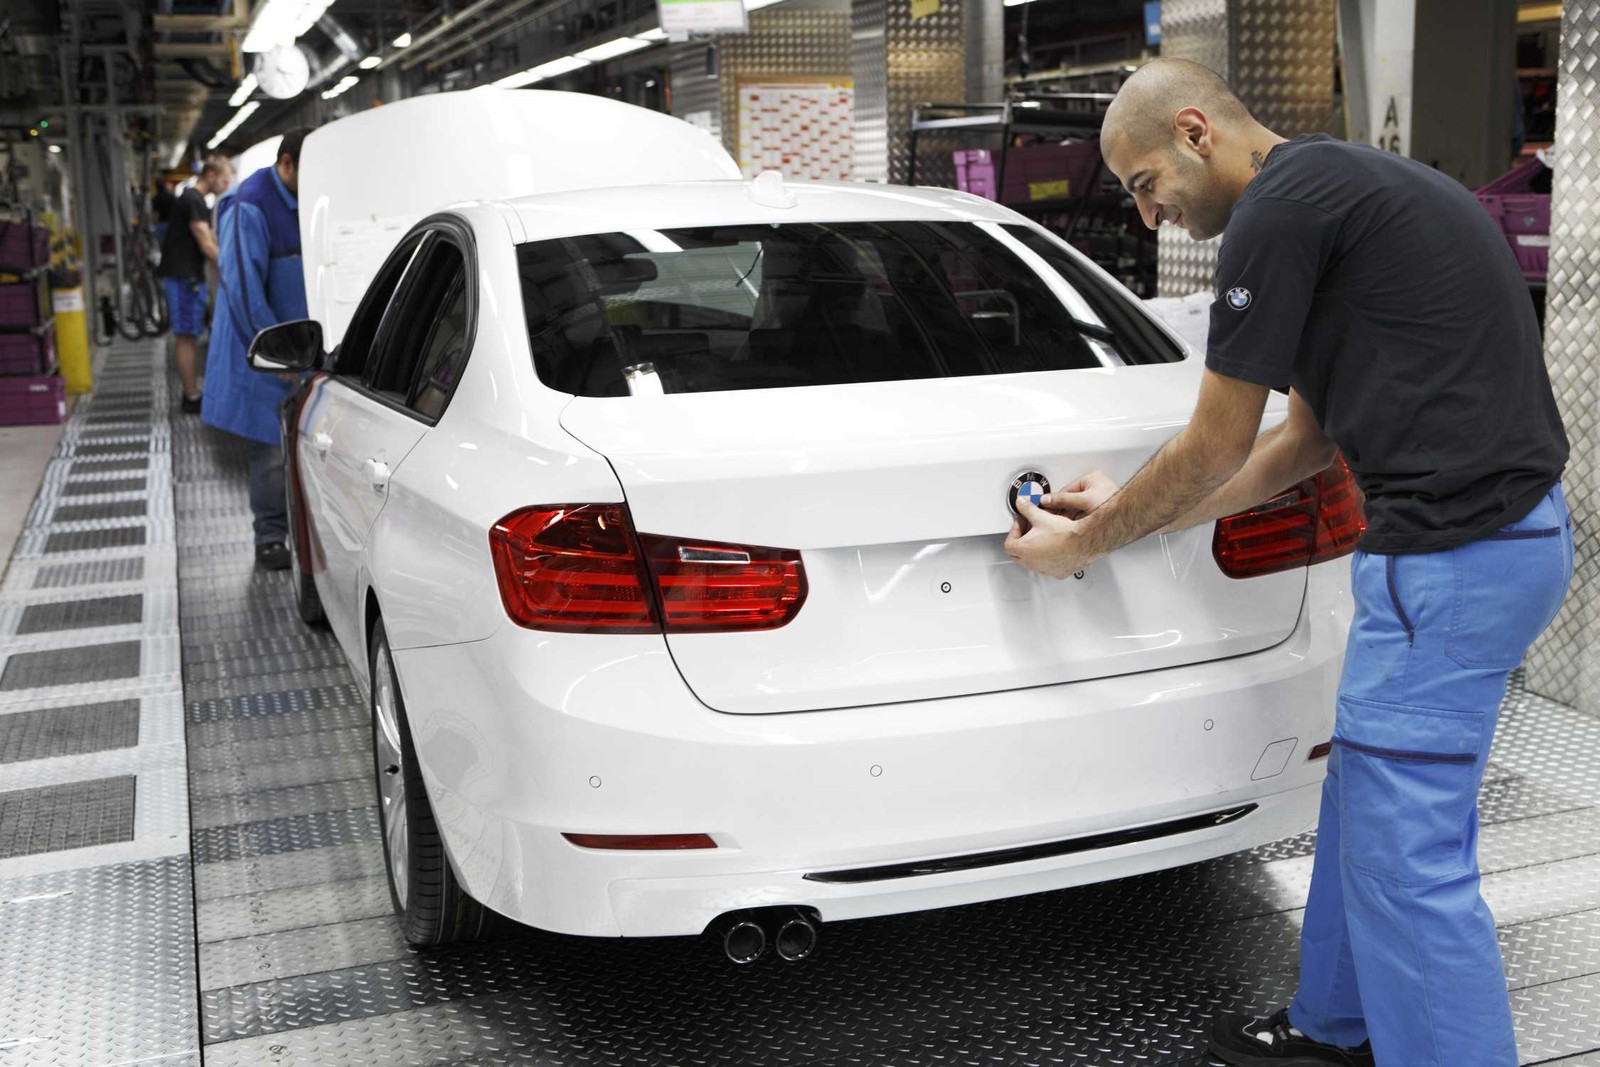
(525,735)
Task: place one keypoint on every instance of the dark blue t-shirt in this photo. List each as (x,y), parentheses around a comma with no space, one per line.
(1381,292)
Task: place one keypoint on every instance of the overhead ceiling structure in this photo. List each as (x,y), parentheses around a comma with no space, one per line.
(196,60)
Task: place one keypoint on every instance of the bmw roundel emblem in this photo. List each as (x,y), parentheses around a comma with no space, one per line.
(1239,298)
(1030,484)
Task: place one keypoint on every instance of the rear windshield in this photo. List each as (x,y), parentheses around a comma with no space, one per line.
(762,306)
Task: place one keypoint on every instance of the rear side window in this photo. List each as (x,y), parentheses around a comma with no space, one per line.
(444,353)
(751,307)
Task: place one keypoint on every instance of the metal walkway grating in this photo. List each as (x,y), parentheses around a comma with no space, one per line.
(96,889)
(302,963)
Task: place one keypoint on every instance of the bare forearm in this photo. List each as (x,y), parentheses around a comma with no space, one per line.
(1276,462)
(206,238)
(1173,485)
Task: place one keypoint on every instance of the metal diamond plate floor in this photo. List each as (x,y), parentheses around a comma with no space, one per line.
(296,958)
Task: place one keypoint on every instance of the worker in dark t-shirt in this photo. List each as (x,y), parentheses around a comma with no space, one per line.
(188,243)
(1383,298)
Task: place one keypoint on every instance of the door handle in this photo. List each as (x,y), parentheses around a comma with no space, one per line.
(378,474)
(321,442)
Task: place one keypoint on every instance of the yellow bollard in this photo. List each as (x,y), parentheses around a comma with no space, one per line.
(72,339)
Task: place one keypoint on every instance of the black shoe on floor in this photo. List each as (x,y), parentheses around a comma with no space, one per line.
(274,557)
(191,405)
(1271,1042)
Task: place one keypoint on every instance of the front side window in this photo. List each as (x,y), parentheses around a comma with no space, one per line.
(423,338)
(356,348)
(761,306)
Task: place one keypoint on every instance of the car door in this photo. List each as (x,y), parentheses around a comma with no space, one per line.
(371,425)
(331,542)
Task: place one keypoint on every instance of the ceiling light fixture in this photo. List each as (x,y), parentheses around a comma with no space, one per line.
(340,89)
(234,123)
(281,22)
(402,41)
(612,49)
(244,92)
(370,62)
(553,69)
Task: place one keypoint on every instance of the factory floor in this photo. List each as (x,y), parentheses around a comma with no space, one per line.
(191,869)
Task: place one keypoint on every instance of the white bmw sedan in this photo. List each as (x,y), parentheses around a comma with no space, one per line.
(663,524)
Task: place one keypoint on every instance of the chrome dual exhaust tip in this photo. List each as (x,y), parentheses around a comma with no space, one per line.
(746,936)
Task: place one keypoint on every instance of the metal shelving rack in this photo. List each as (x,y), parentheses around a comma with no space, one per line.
(1061,116)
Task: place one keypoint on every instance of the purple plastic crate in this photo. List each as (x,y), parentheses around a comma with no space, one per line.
(34,401)
(28,353)
(1522,215)
(1524,218)
(23,303)
(1516,180)
(23,247)
(1033,173)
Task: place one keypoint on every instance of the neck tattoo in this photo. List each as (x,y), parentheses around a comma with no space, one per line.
(1257,161)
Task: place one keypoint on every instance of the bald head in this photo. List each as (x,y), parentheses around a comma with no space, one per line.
(1145,110)
(1183,145)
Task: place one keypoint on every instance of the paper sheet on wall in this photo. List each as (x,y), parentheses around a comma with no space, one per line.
(356,249)
(1188,316)
(799,128)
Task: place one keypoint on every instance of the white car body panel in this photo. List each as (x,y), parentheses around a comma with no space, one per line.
(895,494)
(1210,693)
(602,737)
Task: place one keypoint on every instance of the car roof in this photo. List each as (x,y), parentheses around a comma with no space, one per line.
(681,205)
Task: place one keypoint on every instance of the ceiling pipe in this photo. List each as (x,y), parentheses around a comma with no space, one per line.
(447,24)
(465,47)
(340,38)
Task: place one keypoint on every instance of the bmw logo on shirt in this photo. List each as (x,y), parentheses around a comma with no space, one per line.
(1029,484)
(1239,298)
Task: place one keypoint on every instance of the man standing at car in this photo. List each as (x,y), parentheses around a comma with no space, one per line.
(1383,297)
(188,243)
(262,284)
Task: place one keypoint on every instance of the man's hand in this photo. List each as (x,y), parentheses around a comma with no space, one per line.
(1082,496)
(1051,547)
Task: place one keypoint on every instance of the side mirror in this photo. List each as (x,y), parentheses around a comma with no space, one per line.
(288,346)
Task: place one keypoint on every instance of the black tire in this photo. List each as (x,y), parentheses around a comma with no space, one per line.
(133,312)
(154,301)
(307,601)
(432,906)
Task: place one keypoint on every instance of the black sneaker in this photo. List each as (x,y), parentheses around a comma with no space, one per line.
(1271,1042)
(191,405)
(273,557)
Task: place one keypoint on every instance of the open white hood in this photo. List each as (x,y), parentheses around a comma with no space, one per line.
(261,154)
(367,179)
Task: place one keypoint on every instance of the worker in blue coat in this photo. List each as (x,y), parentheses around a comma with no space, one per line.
(262,284)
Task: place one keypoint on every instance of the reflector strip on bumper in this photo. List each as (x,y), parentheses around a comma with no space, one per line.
(1033,852)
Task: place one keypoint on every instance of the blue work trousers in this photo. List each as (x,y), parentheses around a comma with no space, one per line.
(268,505)
(1398,945)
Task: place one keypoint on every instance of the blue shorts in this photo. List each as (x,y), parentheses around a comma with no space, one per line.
(186,303)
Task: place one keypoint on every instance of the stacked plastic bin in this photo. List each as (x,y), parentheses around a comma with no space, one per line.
(1050,172)
(30,391)
(1519,203)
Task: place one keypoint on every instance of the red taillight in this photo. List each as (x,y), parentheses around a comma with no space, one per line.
(641,842)
(572,568)
(1318,520)
(578,568)
(706,586)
